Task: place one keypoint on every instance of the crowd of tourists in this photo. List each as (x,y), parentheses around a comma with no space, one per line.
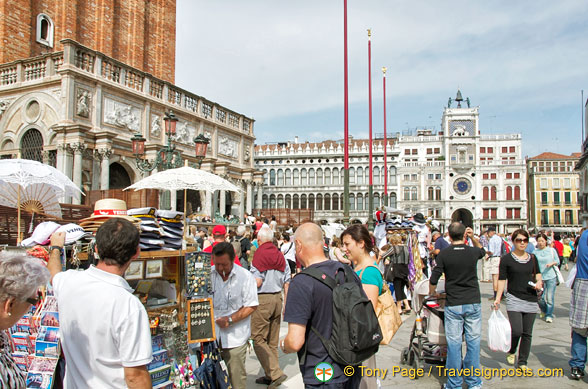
(261,275)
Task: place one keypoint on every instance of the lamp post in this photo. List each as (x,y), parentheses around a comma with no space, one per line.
(167,157)
(371,183)
(346,121)
(385,144)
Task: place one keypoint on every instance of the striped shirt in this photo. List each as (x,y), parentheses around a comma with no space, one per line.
(11,377)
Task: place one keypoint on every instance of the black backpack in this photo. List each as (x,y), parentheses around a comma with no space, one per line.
(355,333)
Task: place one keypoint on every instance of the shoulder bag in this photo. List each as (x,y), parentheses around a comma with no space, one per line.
(559,276)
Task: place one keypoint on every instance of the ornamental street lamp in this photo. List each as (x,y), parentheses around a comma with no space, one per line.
(167,157)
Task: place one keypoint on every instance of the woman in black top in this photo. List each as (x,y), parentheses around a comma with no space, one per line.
(519,267)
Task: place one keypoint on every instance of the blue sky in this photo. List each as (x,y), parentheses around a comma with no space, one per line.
(523,63)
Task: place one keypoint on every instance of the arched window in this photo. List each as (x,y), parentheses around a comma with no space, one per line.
(414,193)
(280,177)
(438,193)
(288,177)
(295,179)
(272,201)
(376,200)
(319,202)
(430,193)
(311,178)
(493,193)
(303,204)
(517,192)
(327,176)
(359,201)
(376,176)
(335,176)
(392,200)
(327,202)
(406,193)
(31,145)
(264,202)
(319,177)
(288,201)
(295,203)
(303,177)
(359,176)
(311,201)
(272,177)
(335,202)
(265,178)
(280,201)
(45,30)
(485,193)
(351,202)
(509,192)
(351,175)
(392,175)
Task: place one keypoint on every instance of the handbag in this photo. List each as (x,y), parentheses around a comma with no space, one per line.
(534,275)
(388,316)
(559,277)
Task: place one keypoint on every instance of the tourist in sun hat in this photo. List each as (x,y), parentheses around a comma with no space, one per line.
(219,234)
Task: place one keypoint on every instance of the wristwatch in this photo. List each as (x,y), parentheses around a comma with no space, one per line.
(51,248)
(230,320)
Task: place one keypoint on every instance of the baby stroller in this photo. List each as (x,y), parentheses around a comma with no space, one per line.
(427,338)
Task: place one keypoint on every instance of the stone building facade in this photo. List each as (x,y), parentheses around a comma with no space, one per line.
(455,174)
(554,192)
(77,108)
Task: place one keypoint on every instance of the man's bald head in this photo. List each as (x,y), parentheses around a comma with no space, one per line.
(309,244)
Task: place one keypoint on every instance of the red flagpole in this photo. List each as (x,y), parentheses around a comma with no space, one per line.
(370,99)
(385,143)
(346,123)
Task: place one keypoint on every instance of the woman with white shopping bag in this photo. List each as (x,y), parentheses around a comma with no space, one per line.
(548,266)
(499,333)
(521,269)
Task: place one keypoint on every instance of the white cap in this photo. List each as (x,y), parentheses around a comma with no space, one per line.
(73,232)
(41,234)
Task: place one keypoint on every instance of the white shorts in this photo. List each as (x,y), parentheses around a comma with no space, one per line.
(494,265)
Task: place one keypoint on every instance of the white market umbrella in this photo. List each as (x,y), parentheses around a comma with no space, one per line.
(33,186)
(184,178)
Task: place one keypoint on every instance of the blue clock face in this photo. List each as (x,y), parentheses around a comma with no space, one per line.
(462,185)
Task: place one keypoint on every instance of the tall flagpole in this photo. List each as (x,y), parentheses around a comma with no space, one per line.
(385,143)
(371,183)
(346,115)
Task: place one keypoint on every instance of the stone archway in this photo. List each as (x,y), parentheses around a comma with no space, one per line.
(119,177)
(464,216)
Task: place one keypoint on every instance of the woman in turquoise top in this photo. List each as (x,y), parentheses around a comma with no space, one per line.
(357,245)
(547,258)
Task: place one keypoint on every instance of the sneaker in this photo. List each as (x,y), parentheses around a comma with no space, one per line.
(278,381)
(263,381)
(541,315)
(524,367)
(549,320)
(510,359)
(577,373)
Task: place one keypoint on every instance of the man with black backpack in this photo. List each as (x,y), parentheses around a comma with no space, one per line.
(331,322)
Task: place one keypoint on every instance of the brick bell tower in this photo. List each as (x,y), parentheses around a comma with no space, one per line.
(139,33)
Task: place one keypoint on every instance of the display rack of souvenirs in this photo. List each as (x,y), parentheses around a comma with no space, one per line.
(150,237)
(172,225)
(198,274)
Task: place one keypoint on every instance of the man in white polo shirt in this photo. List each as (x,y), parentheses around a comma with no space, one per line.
(104,328)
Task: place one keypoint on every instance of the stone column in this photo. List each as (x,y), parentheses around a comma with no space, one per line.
(223,202)
(105,154)
(207,206)
(78,149)
(60,165)
(67,167)
(259,196)
(249,206)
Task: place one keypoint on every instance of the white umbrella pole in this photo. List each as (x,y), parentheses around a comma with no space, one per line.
(185,214)
(18,237)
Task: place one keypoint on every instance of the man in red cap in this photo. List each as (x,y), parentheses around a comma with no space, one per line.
(219,234)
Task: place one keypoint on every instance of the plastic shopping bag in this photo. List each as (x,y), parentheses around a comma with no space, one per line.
(571,277)
(498,332)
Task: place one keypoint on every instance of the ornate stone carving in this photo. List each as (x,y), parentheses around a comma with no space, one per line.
(247,156)
(122,115)
(4,106)
(104,153)
(78,148)
(227,146)
(83,103)
(155,126)
(184,133)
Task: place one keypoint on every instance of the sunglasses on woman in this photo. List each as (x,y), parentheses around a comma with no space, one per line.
(519,240)
(34,301)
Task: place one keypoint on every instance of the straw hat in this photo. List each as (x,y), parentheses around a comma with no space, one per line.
(105,209)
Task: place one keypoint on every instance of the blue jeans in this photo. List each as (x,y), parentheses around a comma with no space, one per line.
(459,319)
(578,351)
(548,297)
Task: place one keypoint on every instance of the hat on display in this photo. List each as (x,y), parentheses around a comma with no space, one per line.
(41,234)
(170,216)
(219,230)
(419,218)
(109,208)
(73,232)
(147,212)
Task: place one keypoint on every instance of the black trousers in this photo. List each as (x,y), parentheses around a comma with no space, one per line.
(521,325)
